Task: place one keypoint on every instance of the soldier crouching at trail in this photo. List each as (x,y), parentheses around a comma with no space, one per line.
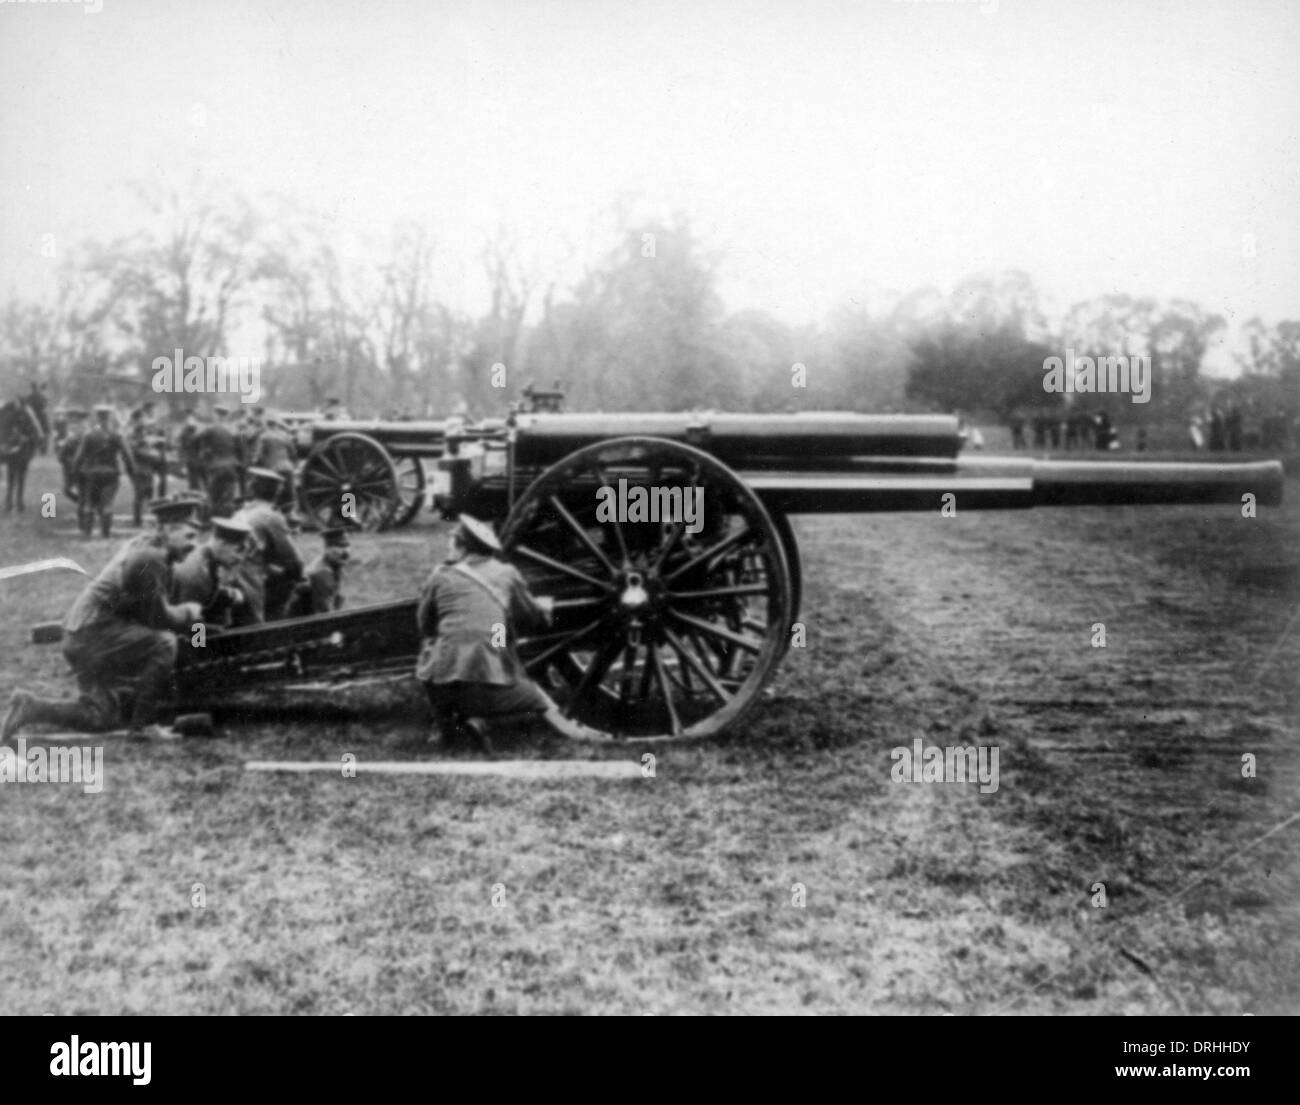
(273,567)
(321,591)
(468,613)
(119,637)
(206,575)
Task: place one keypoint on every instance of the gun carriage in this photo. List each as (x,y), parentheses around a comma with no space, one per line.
(668,624)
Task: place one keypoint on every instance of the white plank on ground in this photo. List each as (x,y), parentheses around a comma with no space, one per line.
(509,769)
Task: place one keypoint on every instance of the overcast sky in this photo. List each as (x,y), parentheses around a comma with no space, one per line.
(825,148)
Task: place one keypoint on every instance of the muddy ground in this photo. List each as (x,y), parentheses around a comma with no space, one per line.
(1119,765)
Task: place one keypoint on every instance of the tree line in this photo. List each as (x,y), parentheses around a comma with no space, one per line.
(643,327)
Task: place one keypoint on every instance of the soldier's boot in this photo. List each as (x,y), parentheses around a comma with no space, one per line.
(477,730)
(450,729)
(15,714)
(74,714)
(141,708)
(106,523)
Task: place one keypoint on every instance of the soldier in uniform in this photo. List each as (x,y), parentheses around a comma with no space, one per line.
(321,591)
(217,449)
(273,567)
(97,471)
(150,479)
(66,450)
(38,405)
(207,574)
(119,637)
(275,450)
(248,430)
(468,614)
(188,449)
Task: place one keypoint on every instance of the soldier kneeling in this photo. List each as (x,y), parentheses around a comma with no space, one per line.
(468,613)
(119,636)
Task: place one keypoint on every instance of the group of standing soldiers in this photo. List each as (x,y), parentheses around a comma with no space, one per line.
(216,456)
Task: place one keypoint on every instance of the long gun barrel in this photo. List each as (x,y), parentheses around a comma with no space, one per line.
(814,463)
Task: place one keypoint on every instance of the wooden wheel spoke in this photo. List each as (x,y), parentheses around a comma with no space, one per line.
(322,459)
(667,547)
(595,672)
(565,641)
(574,604)
(717,550)
(627,675)
(701,626)
(661,676)
(555,565)
(582,534)
(720,592)
(601,481)
(697,665)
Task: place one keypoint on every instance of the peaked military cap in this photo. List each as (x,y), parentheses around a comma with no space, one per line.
(173,510)
(230,529)
(480,532)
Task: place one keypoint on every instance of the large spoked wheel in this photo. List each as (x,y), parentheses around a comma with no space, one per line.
(670,614)
(349,479)
(410,487)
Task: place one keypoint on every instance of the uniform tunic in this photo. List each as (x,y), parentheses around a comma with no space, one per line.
(269,574)
(119,637)
(275,450)
(459,618)
(320,592)
(197,577)
(66,454)
(218,453)
(96,467)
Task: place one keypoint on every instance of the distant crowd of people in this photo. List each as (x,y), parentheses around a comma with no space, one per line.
(1078,430)
(1231,429)
(1219,428)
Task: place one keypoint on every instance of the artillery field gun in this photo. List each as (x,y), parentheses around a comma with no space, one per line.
(663,539)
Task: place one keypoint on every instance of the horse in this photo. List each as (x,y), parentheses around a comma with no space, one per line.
(20,438)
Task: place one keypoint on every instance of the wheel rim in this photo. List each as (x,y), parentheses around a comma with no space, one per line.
(410,489)
(349,464)
(660,634)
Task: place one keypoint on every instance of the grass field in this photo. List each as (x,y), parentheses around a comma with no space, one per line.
(673,894)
